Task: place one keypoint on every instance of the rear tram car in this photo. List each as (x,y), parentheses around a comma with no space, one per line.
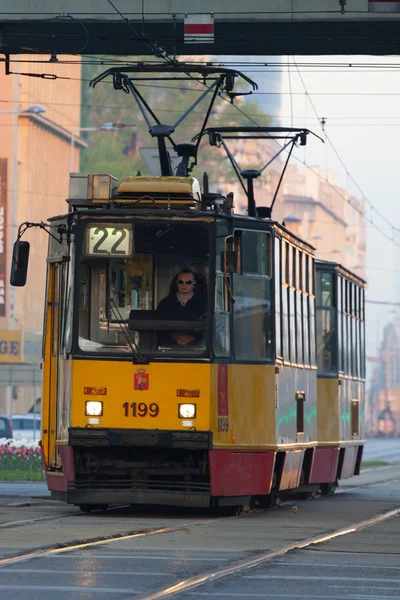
(252,386)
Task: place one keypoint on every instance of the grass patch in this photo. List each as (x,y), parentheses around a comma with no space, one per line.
(373,463)
(21,464)
(21,475)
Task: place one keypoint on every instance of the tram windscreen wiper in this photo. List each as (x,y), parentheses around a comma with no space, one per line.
(136,354)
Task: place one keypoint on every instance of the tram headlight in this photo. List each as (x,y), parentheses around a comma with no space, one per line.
(94,408)
(187,411)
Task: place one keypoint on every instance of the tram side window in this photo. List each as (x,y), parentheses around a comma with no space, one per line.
(358,334)
(278,291)
(292,305)
(57,310)
(297,310)
(357,325)
(306,333)
(308,264)
(350,329)
(354,328)
(252,291)
(311,306)
(354,331)
(345,329)
(326,324)
(349,336)
(339,282)
(69,309)
(222,322)
(254,253)
(285,305)
(362,333)
(84,301)
(299,324)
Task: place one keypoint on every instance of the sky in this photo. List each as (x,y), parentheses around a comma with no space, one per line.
(362,112)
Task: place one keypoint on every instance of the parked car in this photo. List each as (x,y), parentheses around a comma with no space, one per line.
(5,427)
(26,427)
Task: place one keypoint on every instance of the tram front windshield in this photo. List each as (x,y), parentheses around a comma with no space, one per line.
(143,287)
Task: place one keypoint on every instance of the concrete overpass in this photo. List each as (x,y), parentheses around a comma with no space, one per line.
(263,27)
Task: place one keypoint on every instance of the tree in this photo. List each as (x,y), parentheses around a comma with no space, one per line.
(118,152)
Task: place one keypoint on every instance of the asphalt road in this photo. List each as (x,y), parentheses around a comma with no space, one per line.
(387,450)
(360,565)
(26,489)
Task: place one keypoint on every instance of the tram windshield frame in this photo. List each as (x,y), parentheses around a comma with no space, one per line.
(125,267)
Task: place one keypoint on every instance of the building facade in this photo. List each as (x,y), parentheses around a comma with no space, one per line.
(317,209)
(38,118)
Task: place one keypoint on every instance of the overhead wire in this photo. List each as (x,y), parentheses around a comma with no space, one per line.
(390,238)
(316,172)
(314,120)
(161,53)
(155,49)
(261,68)
(348,174)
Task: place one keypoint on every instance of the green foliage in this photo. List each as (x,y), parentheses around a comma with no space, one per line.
(118,152)
(373,463)
(19,467)
(21,475)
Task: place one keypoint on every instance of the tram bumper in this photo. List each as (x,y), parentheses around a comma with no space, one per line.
(139,466)
(114,492)
(190,440)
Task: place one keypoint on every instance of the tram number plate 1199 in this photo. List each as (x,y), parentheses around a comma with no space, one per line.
(140,409)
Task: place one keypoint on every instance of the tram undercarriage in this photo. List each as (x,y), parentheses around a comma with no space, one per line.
(102,467)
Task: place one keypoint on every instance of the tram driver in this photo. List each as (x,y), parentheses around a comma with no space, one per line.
(186,301)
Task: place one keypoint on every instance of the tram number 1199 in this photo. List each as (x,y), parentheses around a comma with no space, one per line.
(223,424)
(140,409)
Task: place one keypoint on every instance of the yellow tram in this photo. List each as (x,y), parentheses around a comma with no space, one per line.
(255,389)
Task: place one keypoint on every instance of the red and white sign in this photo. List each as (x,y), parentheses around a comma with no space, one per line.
(392,6)
(141,380)
(223,399)
(198,29)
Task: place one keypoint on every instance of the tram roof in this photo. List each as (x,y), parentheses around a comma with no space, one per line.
(107,212)
(331,266)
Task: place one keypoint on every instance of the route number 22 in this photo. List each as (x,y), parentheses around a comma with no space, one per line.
(109,241)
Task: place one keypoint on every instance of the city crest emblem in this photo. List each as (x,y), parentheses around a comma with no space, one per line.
(141,380)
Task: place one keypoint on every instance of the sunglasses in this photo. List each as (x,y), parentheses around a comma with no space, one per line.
(188,281)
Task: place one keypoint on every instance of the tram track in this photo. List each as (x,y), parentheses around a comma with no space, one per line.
(33,520)
(138,532)
(23,522)
(189,558)
(263,557)
(79,544)
(206,576)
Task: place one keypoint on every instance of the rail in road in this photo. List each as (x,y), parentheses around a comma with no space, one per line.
(184,555)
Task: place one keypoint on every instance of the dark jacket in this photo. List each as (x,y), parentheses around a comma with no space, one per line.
(171,309)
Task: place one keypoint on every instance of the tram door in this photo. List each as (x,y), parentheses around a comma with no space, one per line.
(54,351)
